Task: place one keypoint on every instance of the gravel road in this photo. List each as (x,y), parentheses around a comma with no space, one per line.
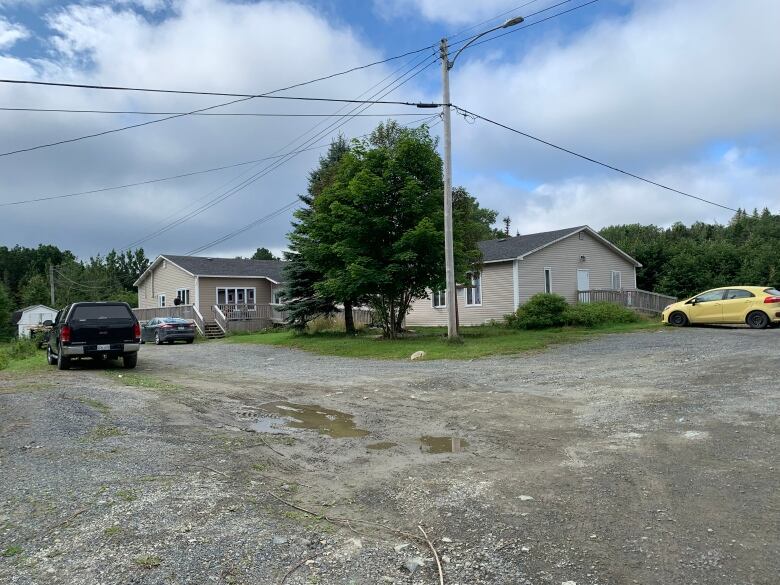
(646,458)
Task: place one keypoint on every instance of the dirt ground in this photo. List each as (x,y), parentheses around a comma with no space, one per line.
(647,458)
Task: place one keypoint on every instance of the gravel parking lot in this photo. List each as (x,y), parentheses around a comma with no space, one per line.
(644,458)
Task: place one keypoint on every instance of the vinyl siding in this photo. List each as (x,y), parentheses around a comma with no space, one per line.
(165,279)
(497,301)
(564,259)
(210,284)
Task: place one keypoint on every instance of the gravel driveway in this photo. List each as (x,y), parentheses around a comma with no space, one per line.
(637,458)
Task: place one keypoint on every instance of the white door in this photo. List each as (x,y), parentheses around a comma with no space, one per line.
(583,284)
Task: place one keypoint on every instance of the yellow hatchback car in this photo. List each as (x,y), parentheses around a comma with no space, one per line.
(757,306)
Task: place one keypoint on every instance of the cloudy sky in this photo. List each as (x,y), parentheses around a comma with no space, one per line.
(684,92)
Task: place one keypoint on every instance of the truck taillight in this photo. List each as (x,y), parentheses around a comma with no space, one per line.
(137,331)
(768,300)
(65,334)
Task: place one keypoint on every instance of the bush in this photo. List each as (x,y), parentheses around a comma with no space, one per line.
(16,350)
(541,311)
(598,314)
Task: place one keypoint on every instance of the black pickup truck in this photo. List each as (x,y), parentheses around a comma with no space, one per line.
(94,330)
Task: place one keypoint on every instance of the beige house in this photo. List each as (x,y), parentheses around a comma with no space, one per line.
(568,262)
(220,294)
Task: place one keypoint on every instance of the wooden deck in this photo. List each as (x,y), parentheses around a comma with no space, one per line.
(641,300)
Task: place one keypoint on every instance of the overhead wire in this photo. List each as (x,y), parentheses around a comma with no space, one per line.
(288,156)
(591,159)
(147,113)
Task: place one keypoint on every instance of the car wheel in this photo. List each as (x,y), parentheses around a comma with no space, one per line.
(49,357)
(63,363)
(157,340)
(757,320)
(130,360)
(678,319)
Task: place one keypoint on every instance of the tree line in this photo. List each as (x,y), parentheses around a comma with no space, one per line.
(25,278)
(684,260)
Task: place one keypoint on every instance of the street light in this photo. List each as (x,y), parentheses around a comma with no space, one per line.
(449,256)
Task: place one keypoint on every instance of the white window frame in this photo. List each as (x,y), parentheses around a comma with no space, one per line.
(235,290)
(442,294)
(619,279)
(475,285)
(275,300)
(184,298)
(548,279)
(161,300)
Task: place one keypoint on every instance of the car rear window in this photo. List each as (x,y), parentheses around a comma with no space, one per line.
(92,312)
(772,291)
(173,320)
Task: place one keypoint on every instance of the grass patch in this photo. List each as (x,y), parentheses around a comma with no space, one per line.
(126,495)
(482,341)
(260,467)
(148,561)
(12,551)
(112,531)
(96,404)
(144,381)
(101,432)
(21,355)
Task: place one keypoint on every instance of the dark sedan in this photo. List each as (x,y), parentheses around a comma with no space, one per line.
(167,330)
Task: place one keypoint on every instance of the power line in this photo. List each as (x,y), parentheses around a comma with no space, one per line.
(145,113)
(592,160)
(489,20)
(287,156)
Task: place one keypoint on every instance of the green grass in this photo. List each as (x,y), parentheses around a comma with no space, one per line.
(477,342)
(127,495)
(96,404)
(143,381)
(12,551)
(101,432)
(21,355)
(148,561)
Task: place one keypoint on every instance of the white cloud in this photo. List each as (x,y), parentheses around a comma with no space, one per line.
(451,12)
(206,44)
(11,33)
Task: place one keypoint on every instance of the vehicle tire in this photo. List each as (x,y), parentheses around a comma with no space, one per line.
(678,319)
(50,359)
(190,340)
(157,340)
(130,360)
(757,320)
(63,363)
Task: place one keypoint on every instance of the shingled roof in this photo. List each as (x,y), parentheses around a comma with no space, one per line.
(519,246)
(205,266)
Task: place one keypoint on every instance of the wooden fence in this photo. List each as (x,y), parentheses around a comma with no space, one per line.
(181,312)
(641,300)
(362,316)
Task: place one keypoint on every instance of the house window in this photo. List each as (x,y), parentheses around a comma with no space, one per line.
(236,296)
(183,294)
(548,280)
(616,283)
(278,296)
(439,299)
(474,289)
(162,300)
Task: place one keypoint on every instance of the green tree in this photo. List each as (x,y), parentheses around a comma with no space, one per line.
(263,254)
(377,227)
(6,308)
(35,291)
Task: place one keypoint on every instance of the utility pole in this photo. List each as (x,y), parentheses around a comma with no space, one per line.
(51,283)
(449,255)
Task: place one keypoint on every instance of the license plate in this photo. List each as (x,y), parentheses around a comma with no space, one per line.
(182,328)
(103,347)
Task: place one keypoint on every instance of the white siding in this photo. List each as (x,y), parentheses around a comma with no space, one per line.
(497,301)
(564,260)
(34,316)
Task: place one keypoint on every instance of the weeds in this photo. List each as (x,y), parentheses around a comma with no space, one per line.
(101,432)
(12,551)
(148,561)
(126,495)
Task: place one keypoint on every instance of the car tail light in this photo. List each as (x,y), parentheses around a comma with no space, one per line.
(137,331)
(65,334)
(768,300)
(166,326)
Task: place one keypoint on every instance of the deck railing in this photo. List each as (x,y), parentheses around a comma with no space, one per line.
(220,318)
(240,312)
(200,323)
(180,312)
(641,300)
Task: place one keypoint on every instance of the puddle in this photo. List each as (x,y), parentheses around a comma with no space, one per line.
(381,446)
(430,444)
(281,417)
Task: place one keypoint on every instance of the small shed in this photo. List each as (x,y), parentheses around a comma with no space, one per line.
(32,316)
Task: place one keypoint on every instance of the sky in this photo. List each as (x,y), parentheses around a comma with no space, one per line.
(684,93)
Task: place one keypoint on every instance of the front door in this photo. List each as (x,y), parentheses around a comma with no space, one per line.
(708,307)
(583,284)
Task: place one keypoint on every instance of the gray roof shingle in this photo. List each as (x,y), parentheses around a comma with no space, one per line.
(513,247)
(204,266)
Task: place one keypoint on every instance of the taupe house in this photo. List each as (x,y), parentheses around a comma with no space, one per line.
(219,294)
(570,262)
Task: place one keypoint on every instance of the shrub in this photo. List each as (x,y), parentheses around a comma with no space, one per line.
(16,350)
(541,311)
(598,314)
